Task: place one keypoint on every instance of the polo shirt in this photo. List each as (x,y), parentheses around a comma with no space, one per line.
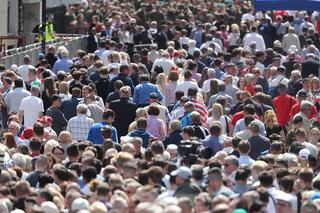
(95,135)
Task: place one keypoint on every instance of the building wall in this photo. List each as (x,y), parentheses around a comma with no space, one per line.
(3,17)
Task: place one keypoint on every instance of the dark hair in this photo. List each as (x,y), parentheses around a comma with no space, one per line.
(38,129)
(192,91)
(35,144)
(153,110)
(18,83)
(248,119)
(123,68)
(155,173)
(287,183)
(142,123)
(249,109)
(45,179)
(144,77)
(157,147)
(187,74)
(241,174)
(244,147)
(107,114)
(72,150)
(89,173)
(215,129)
(266,178)
(118,84)
(106,131)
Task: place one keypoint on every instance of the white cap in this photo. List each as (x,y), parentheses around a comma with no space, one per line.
(293,49)
(304,154)
(49,207)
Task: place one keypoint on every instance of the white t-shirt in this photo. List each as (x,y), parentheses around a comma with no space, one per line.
(185,86)
(23,71)
(31,106)
(224,120)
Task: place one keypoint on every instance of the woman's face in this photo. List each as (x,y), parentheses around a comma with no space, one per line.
(58,155)
(315,84)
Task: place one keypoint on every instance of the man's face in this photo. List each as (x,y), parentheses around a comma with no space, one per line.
(85,93)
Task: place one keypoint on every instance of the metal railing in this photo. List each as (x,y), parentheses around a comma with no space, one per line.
(71,42)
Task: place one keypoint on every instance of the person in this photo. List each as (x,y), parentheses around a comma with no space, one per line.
(305,110)
(41,165)
(244,149)
(199,131)
(94,134)
(271,124)
(156,126)
(214,141)
(174,136)
(125,111)
(142,91)
(69,107)
(59,122)
(215,185)
(31,108)
(141,132)
(64,63)
(103,84)
(283,103)
(182,180)
(123,76)
(24,68)
(187,83)
(163,62)
(79,125)
(259,144)
(14,98)
(254,38)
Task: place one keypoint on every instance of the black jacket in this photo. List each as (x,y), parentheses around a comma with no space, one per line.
(173,138)
(126,80)
(125,114)
(310,66)
(103,87)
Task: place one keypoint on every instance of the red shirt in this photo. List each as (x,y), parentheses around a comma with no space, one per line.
(283,105)
(239,115)
(296,109)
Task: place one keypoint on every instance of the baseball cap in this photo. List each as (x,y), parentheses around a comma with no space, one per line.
(254,125)
(27,133)
(79,204)
(304,154)
(183,172)
(45,119)
(153,95)
(49,207)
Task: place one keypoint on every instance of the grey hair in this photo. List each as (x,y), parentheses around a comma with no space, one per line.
(305,105)
(19,160)
(195,117)
(175,125)
(82,109)
(140,110)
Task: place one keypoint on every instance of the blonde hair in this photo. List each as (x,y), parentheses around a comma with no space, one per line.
(217,111)
(235,28)
(63,87)
(161,82)
(65,137)
(270,118)
(48,147)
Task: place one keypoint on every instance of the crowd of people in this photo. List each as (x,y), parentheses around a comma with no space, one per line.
(182,106)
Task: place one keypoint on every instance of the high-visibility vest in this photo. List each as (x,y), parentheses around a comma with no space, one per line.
(48,33)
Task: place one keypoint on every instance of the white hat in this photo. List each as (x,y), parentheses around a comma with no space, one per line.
(304,154)
(80,204)
(49,207)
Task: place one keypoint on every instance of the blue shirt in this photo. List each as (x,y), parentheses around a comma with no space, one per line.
(62,64)
(214,143)
(142,92)
(143,134)
(185,121)
(95,135)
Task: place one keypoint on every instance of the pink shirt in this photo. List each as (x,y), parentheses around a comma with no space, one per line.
(156,127)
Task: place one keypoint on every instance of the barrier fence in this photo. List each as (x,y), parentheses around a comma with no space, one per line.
(71,42)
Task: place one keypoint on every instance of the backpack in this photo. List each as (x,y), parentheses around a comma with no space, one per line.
(273,91)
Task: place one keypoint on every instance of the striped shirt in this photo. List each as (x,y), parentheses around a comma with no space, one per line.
(201,108)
